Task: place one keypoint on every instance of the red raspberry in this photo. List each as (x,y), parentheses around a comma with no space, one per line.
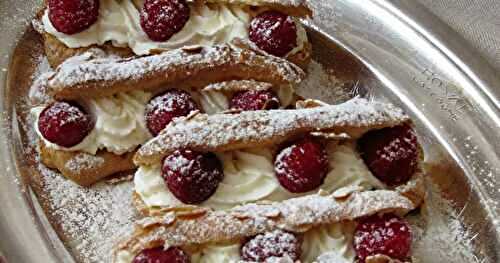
(161,19)
(302,167)
(274,32)
(160,255)
(387,235)
(192,176)
(162,109)
(277,244)
(73,16)
(391,154)
(255,100)
(65,123)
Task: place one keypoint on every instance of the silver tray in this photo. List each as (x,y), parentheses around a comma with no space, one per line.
(394,50)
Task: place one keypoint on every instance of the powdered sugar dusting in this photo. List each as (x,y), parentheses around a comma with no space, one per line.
(83,161)
(95,70)
(93,219)
(321,85)
(277,244)
(281,166)
(238,85)
(295,3)
(38,93)
(230,131)
(439,234)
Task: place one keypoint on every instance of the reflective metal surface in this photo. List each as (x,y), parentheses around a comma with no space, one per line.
(411,59)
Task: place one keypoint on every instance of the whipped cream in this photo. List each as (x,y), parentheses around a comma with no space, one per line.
(331,239)
(119,124)
(119,23)
(218,254)
(249,177)
(214,101)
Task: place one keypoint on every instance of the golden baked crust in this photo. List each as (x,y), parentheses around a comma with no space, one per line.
(298,8)
(57,52)
(89,76)
(85,169)
(238,85)
(200,226)
(226,132)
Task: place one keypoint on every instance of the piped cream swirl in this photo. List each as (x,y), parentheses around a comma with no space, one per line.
(218,254)
(249,177)
(215,101)
(119,124)
(335,238)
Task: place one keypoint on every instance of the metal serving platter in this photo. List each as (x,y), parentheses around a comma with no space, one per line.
(393,50)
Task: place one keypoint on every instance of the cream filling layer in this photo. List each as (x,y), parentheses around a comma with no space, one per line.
(119,124)
(119,23)
(249,177)
(214,101)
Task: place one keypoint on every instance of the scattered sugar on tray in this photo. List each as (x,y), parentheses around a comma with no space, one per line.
(439,235)
(94,219)
(322,85)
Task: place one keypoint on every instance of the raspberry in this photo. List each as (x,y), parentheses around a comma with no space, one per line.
(302,167)
(73,16)
(160,255)
(162,109)
(255,100)
(276,244)
(388,235)
(65,123)
(191,176)
(161,19)
(274,32)
(391,154)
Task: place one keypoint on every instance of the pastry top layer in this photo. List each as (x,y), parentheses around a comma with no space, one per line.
(224,132)
(90,75)
(298,8)
(200,226)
